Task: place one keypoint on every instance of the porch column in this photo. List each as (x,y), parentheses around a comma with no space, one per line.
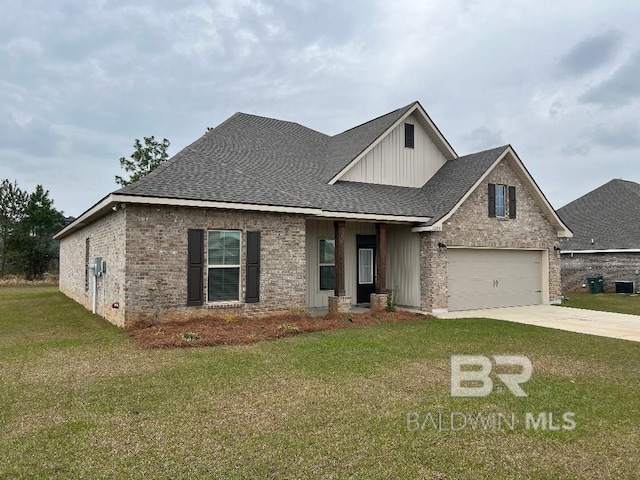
(339,253)
(381,260)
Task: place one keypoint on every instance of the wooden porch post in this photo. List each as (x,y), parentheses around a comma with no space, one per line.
(381,260)
(339,231)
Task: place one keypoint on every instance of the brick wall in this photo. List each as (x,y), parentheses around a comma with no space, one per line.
(156,245)
(106,240)
(470,226)
(612,266)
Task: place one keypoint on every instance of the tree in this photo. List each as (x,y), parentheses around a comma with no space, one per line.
(13,204)
(145,159)
(30,246)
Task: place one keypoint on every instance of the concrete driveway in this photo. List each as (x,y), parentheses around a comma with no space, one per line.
(591,322)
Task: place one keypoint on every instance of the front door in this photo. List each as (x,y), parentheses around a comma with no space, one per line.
(365,267)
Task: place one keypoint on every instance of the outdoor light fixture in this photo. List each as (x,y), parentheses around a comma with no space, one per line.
(442,246)
(557,248)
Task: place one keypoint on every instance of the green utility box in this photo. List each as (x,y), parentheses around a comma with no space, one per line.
(596,285)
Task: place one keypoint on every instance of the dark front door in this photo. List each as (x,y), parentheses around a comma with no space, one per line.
(365,267)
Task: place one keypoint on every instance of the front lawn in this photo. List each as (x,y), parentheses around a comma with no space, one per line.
(604,302)
(80,400)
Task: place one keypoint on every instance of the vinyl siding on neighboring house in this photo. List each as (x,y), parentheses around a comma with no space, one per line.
(391,163)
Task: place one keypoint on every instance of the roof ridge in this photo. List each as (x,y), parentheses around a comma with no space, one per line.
(406,107)
(290,122)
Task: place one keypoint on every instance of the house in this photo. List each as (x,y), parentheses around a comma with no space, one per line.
(261,215)
(606,241)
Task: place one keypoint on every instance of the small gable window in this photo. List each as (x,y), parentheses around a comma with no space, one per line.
(502,201)
(408,135)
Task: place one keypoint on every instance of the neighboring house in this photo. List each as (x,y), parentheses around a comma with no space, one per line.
(606,236)
(262,215)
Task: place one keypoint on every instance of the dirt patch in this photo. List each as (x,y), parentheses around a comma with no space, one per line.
(211,331)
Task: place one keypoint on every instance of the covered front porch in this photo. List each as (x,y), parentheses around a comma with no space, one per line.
(353,263)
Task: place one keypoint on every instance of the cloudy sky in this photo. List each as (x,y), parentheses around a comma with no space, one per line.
(81,79)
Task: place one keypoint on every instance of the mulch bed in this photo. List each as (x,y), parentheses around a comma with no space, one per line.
(212,331)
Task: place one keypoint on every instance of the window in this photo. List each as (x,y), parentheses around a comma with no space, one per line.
(408,135)
(223,275)
(365,266)
(327,262)
(500,200)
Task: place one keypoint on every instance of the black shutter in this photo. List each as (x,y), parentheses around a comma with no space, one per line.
(408,135)
(492,199)
(252,294)
(195,266)
(512,202)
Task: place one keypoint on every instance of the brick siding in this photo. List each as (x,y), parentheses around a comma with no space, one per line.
(145,248)
(612,266)
(470,226)
(106,239)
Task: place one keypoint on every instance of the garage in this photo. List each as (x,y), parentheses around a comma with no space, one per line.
(487,278)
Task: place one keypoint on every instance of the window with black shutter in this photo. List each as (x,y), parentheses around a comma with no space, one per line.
(512,202)
(252,294)
(195,266)
(492,199)
(408,135)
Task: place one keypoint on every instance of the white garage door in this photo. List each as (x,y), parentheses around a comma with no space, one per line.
(494,278)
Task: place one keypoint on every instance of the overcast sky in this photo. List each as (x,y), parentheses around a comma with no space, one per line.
(81,79)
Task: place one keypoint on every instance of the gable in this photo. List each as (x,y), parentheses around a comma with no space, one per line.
(390,162)
(525,185)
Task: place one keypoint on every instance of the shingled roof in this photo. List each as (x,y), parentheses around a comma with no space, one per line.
(257,160)
(258,163)
(605,218)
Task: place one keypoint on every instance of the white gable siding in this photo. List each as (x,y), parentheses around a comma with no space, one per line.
(390,163)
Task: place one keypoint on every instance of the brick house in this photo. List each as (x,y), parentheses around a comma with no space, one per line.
(261,215)
(606,241)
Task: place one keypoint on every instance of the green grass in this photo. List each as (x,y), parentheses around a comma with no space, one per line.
(79,400)
(605,302)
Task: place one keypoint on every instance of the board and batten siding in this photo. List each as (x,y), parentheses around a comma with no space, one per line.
(403,264)
(317,229)
(391,163)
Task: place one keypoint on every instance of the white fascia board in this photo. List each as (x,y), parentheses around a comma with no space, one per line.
(434,128)
(427,120)
(610,250)
(116,199)
(562,230)
(372,216)
(437,227)
(78,222)
(177,202)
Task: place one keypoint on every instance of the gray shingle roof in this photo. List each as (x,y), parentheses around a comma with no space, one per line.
(610,215)
(257,160)
(447,187)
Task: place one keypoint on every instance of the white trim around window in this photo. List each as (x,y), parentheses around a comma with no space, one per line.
(224,265)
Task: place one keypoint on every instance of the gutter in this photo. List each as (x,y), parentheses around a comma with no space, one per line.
(611,250)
